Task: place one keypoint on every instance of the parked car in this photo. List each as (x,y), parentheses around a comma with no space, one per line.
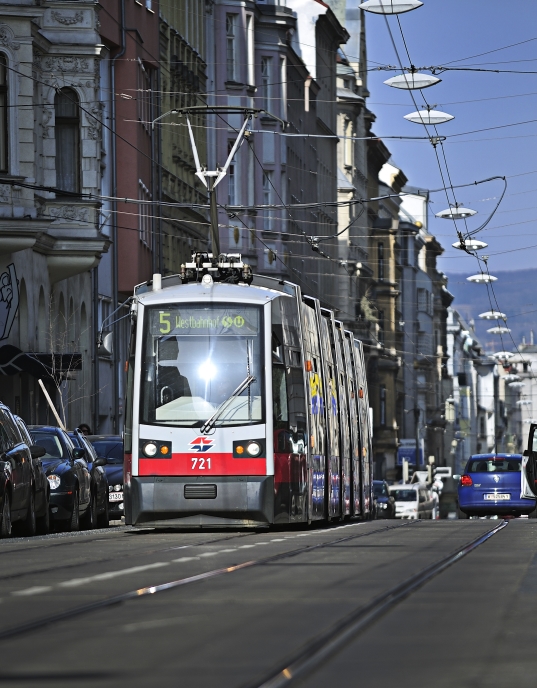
(384,501)
(68,476)
(97,515)
(41,485)
(491,485)
(23,510)
(412,501)
(111,448)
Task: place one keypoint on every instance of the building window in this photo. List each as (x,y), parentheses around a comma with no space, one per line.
(266,69)
(67,140)
(144,214)
(3,114)
(230,46)
(380,256)
(267,200)
(250,49)
(144,97)
(283,88)
(383,405)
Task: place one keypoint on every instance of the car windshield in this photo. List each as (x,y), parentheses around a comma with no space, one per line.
(50,443)
(113,451)
(405,495)
(494,466)
(194,358)
(379,490)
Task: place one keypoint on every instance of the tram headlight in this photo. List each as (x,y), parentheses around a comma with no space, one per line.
(253,448)
(150,449)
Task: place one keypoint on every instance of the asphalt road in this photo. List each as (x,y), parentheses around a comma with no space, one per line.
(244,607)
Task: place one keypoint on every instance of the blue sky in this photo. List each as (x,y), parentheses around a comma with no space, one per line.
(439,32)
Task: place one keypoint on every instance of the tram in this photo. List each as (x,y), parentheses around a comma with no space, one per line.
(246,405)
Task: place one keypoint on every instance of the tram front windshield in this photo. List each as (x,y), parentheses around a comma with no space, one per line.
(193,360)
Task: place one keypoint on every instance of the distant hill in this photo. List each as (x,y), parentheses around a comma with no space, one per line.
(516,294)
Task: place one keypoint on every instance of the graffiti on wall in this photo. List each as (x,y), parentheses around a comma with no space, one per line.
(9,300)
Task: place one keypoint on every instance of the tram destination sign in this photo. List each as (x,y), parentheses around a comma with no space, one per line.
(205,321)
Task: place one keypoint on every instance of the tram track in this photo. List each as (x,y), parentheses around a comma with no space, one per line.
(322,648)
(139,593)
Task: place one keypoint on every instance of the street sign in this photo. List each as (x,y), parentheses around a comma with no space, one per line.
(407,450)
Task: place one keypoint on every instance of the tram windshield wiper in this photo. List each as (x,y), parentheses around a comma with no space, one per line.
(223,406)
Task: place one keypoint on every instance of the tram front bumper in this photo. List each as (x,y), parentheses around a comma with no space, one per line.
(186,502)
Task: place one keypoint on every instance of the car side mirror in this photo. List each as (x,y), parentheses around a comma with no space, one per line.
(79,453)
(525,453)
(100,461)
(37,452)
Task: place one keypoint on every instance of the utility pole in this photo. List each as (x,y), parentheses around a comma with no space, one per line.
(417,434)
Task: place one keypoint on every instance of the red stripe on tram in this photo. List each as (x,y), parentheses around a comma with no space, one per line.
(201,464)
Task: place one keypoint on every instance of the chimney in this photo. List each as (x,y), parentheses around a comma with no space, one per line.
(531,337)
(524,339)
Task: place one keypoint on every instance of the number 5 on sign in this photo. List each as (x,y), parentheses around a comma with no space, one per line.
(202,464)
(165,325)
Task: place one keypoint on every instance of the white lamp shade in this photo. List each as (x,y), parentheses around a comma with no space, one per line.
(503,354)
(456,213)
(481,279)
(429,117)
(471,245)
(412,81)
(524,402)
(512,378)
(492,315)
(499,330)
(390,6)
(516,385)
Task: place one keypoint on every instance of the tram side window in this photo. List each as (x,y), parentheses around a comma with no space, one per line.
(279,396)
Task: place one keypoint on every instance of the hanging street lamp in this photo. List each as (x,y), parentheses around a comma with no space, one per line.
(412,81)
(390,6)
(482,278)
(470,245)
(429,117)
(499,330)
(504,355)
(456,212)
(511,377)
(516,385)
(524,402)
(492,315)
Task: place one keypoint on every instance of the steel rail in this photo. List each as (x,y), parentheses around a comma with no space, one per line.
(342,632)
(37,624)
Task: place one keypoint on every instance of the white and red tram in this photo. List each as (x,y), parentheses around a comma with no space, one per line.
(246,405)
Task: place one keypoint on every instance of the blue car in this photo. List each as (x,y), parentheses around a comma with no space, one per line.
(491,485)
(111,448)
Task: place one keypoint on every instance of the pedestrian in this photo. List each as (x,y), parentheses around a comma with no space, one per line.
(85,429)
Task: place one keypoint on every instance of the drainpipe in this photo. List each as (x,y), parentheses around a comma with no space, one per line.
(115,296)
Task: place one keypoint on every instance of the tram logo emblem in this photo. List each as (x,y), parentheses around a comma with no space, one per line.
(201,444)
(496,478)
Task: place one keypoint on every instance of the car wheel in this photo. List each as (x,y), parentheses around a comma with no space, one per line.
(74,522)
(29,524)
(5,526)
(89,520)
(103,520)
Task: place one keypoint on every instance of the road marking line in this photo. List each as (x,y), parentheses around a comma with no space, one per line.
(278,540)
(182,559)
(36,590)
(246,546)
(227,550)
(209,554)
(75,582)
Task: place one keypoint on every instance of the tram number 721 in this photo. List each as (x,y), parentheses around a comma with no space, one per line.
(201,463)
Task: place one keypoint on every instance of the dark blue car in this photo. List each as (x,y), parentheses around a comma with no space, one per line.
(111,448)
(491,486)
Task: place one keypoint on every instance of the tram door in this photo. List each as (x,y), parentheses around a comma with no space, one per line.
(528,475)
(354,422)
(332,414)
(289,414)
(344,428)
(316,408)
(365,427)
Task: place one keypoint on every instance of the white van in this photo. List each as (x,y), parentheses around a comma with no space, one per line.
(412,501)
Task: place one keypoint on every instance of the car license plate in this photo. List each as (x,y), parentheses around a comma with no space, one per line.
(498,497)
(115,496)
